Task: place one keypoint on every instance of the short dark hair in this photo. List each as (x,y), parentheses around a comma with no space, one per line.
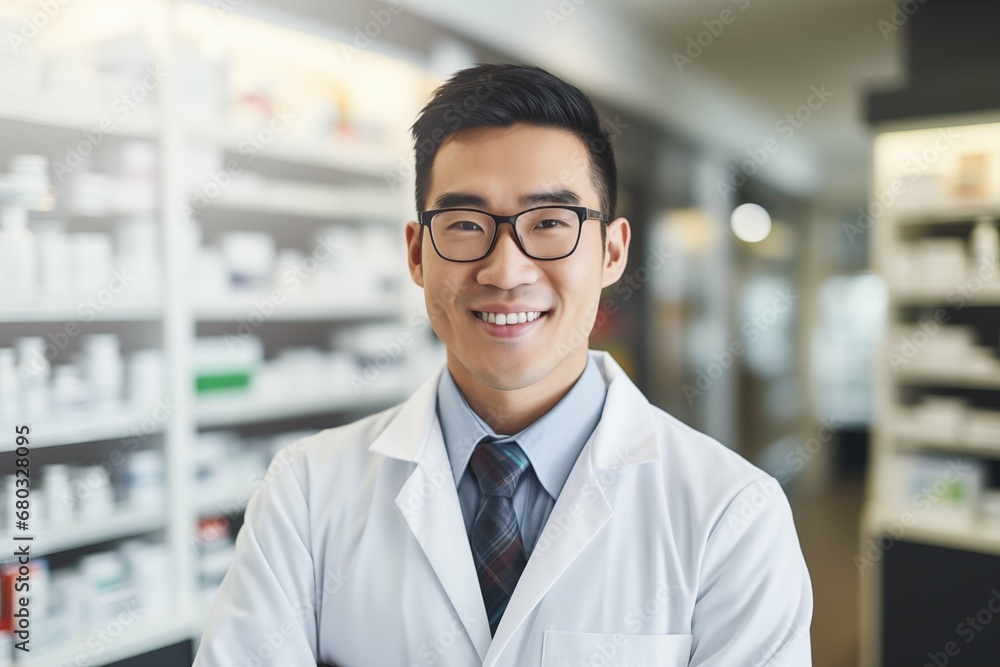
(500,95)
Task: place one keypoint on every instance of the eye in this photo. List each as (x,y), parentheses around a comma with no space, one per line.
(465,226)
(550,223)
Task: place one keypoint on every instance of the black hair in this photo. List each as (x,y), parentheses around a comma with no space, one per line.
(500,95)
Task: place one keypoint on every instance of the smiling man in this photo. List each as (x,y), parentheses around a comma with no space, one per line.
(527,505)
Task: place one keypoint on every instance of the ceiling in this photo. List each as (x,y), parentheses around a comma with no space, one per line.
(760,67)
(773,51)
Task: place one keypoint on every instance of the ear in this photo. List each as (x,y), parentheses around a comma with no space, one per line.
(619,237)
(414,251)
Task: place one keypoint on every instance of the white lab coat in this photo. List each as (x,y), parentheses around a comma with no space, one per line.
(664,548)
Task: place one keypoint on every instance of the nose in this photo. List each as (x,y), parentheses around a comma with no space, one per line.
(506,266)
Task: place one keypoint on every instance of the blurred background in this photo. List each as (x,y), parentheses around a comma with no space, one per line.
(202,258)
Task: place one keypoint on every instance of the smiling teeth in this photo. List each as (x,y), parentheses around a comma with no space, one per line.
(509,318)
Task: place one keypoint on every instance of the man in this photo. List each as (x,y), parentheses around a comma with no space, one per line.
(527,506)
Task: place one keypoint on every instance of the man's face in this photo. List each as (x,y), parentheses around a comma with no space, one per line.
(505,171)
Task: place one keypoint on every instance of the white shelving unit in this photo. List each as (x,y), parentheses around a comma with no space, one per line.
(301,311)
(945,198)
(358,196)
(122,522)
(75,428)
(36,310)
(233,410)
(143,637)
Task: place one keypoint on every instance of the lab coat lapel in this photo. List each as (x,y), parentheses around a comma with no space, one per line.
(428,502)
(625,436)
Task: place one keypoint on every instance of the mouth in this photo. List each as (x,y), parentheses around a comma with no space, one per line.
(509,324)
(506,319)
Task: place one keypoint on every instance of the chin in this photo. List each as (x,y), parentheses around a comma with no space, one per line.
(514,376)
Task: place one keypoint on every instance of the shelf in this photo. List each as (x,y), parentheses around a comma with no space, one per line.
(146,635)
(987,379)
(240,308)
(206,597)
(54,114)
(354,157)
(78,310)
(307,201)
(224,501)
(79,533)
(84,426)
(250,407)
(967,533)
(110,213)
(952,445)
(293,182)
(948,297)
(944,213)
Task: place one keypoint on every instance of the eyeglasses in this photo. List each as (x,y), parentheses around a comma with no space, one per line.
(543,232)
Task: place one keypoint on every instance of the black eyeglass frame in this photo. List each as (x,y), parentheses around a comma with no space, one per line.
(582,212)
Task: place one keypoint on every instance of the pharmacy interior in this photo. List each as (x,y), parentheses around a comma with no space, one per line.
(202,260)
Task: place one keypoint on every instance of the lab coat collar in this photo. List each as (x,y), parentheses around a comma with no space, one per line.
(428,501)
(408,433)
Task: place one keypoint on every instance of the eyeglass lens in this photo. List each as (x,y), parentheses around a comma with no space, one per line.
(544,233)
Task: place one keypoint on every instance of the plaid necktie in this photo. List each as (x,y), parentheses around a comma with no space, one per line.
(496,538)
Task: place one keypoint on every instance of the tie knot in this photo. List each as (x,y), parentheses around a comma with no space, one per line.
(497,466)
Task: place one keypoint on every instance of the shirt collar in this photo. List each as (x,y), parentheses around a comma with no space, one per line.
(552,443)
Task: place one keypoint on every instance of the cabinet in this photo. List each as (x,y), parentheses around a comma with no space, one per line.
(933,220)
(271,176)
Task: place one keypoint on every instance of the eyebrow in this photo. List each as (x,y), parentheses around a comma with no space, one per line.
(460,199)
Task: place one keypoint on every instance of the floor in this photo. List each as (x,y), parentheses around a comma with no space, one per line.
(827,522)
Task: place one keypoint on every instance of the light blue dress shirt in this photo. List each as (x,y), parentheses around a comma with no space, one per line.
(552,444)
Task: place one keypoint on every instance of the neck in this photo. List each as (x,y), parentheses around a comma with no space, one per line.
(510,411)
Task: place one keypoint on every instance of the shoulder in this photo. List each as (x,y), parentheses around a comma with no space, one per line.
(333,457)
(699,457)
(708,478)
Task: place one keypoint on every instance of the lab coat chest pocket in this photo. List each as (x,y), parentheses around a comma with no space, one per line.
(571,649)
